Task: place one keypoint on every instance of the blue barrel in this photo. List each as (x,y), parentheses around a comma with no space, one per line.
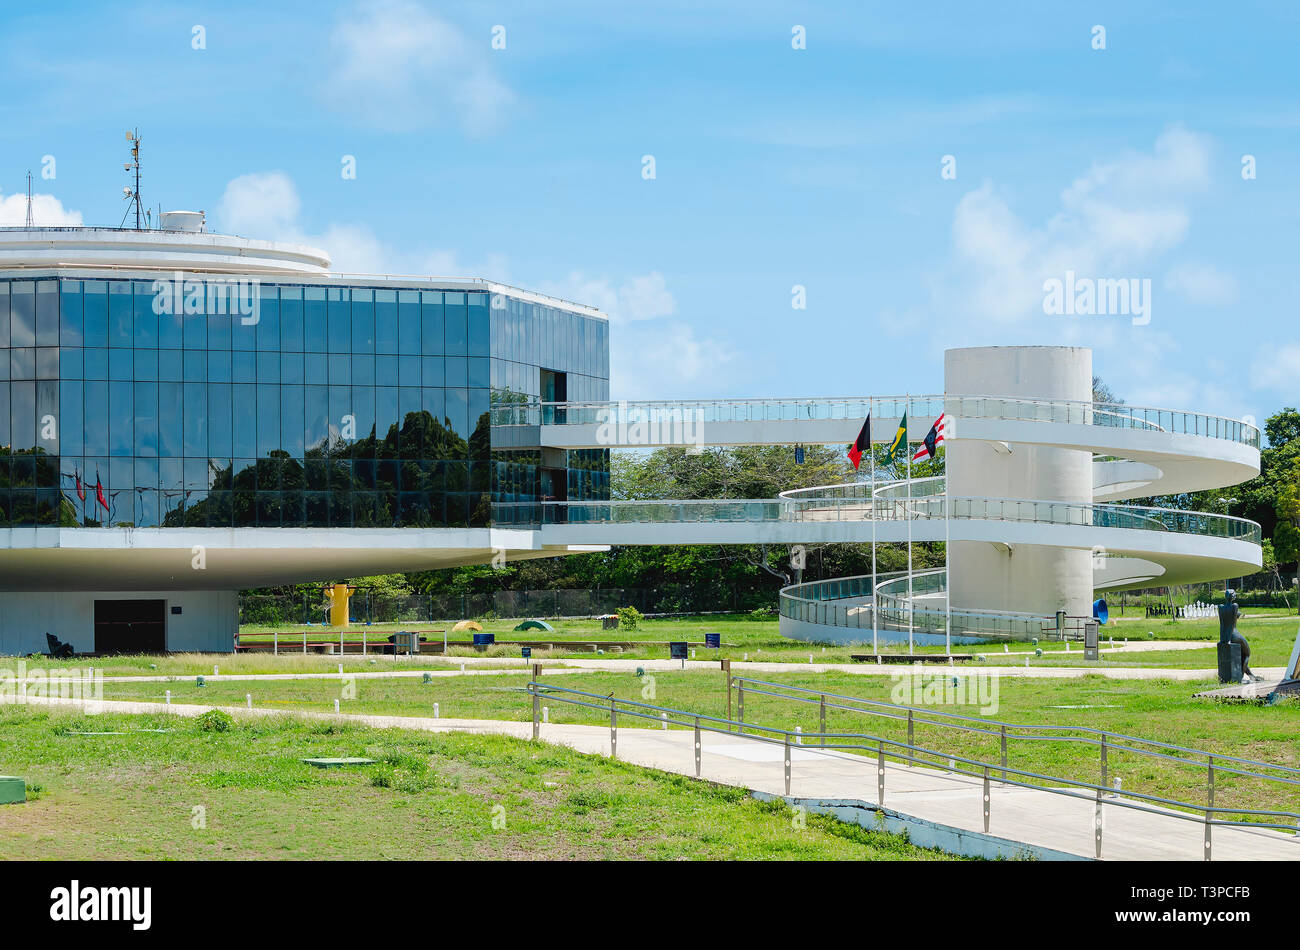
(484,639)
(713,640)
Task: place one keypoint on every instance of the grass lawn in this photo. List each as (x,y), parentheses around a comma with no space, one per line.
(430,796)
(1271,632)
(1161,710)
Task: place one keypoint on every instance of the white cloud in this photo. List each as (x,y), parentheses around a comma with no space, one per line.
(1112,221)
(663,360)
(1202,284)
(47,211)
(398,66)
(266,206)
(645,297)
(1277,367)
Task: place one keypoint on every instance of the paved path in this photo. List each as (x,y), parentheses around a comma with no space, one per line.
(1031,816)
(361,675)
(890,669)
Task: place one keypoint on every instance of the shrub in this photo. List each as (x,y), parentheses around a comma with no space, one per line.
(762,613)
(628,618)
(214,720)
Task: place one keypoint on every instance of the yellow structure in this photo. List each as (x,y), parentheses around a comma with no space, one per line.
(339,595)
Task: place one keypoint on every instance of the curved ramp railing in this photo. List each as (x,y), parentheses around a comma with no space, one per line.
(1073,412)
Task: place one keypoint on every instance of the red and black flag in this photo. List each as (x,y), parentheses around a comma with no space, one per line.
(861,444)
(932,439)
(81,489)
(99,492)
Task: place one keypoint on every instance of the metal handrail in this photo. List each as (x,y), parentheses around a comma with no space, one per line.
(910,713)
(1117,415)
(908,752)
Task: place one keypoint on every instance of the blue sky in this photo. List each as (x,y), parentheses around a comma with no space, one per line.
(774,167)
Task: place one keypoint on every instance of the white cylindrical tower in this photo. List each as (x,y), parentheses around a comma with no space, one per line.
(1034,578)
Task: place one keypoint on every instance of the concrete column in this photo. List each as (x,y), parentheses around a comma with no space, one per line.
(987,576)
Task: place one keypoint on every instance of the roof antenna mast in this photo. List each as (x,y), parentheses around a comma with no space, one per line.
(29,199)
(133,196)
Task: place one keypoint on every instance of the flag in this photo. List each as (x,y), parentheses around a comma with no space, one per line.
(932,439)
(861,444)
(898,448)
(99,492)
(81,489)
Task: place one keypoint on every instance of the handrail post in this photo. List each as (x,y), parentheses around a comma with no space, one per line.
(880,775)
(787,763)
(537,703)
(1096,819)
(986,799)
(740,706)
(823,719)
(911,754)
(697,746)
(726,672)
(1004,753)
(1103,759)
(1209,814)
(613,729)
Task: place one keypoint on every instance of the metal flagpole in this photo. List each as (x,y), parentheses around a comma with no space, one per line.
(875,630)
(907,453)
(947,545)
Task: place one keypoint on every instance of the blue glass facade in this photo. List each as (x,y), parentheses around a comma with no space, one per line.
(341,406)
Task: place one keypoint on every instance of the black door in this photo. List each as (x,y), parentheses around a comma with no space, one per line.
(130,626)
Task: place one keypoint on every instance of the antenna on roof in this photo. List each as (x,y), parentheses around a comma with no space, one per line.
(29,199)
(133,196)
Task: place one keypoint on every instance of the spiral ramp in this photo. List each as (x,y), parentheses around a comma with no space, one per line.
(1016,557)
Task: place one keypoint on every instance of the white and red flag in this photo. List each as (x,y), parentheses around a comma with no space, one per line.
(931,441)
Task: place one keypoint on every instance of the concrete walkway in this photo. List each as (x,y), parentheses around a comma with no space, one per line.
(888,669)
(834,782)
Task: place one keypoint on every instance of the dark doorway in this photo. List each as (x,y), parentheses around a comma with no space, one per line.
(130,626)
(555,388)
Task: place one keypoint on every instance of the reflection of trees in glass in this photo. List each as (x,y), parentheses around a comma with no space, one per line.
(402,479)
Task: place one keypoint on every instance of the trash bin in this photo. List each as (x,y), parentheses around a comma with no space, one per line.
(406,642)
(609,622)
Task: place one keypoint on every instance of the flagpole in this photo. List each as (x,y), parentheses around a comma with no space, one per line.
(947,548)
(907,451)
(875,630)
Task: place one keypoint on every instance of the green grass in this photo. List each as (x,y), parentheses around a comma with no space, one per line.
(138,796)
(1160,710)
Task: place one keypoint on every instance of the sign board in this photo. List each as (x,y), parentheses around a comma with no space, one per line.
(677,650)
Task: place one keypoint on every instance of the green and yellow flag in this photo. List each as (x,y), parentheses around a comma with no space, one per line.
(898,448)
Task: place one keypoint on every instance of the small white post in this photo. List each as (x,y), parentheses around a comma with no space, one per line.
(746,660)
(809,657)
(169,697)
(215,671)
(462,667)
(275,642)
(436,711)
(248,699)
(546,714)
(798,735)
(664,718)
(336,705)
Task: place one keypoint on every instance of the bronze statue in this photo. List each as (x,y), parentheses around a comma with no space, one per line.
(1228,614)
